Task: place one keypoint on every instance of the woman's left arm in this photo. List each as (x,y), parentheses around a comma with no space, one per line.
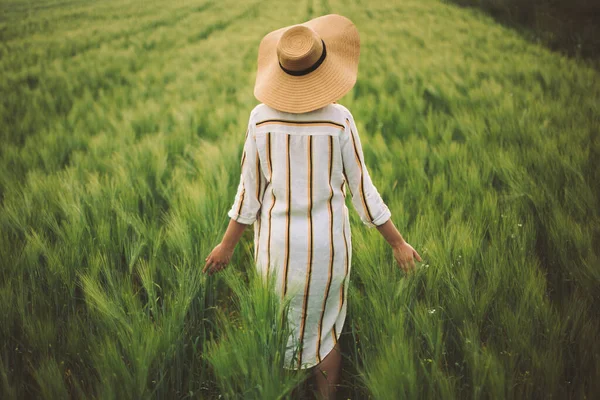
(246,205)
(222,253)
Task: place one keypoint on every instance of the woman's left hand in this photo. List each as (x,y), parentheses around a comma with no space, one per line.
(218,259)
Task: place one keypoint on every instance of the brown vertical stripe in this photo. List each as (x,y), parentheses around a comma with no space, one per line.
(346,180)
(259,199)
(242,176)
(287,216)
(334,334)
(310,251)
(362,188)
(257,241)
(345,261)
(269,235)
(244,150)
(269,156)
(272,203)
(241,200)
(258,176)
(242,179)
(331,249)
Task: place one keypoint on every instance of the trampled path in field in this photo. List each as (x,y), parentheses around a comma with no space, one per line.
(121,131)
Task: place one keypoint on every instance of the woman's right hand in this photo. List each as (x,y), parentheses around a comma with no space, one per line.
(404,254)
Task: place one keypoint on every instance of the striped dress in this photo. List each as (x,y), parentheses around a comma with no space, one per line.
(294,172)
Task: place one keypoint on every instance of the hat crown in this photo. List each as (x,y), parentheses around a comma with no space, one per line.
(299,48)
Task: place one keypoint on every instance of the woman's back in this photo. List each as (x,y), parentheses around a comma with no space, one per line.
(310,156)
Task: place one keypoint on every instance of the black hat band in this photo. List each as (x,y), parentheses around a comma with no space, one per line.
(309,69)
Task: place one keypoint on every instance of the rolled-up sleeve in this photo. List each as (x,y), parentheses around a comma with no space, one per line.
(365,198)
(247,201)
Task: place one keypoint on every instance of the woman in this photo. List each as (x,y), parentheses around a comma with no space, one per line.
(301,150)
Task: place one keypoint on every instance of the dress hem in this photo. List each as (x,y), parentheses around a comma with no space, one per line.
(312,365)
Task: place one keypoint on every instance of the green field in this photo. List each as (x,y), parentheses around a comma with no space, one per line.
(122,126)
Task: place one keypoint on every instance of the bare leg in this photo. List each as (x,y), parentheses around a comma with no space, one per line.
(327,373)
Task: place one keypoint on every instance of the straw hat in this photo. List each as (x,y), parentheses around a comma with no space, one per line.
(306,66)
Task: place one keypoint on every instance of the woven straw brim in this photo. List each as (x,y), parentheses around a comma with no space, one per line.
(328,83)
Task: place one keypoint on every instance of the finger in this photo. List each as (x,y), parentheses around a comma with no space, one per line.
(399,263)
(218,265)
(403,266)
(211,270)
(206,266)
(216,268)
(418,256)
(412,265)
(209,264)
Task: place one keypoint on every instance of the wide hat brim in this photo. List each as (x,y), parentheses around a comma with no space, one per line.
(326,84)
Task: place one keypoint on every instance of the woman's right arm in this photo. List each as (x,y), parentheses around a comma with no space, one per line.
(403,252)
(366,199)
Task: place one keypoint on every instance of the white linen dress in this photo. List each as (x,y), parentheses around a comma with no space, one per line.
(294,168)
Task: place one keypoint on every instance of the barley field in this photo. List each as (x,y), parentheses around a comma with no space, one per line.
(122,126)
